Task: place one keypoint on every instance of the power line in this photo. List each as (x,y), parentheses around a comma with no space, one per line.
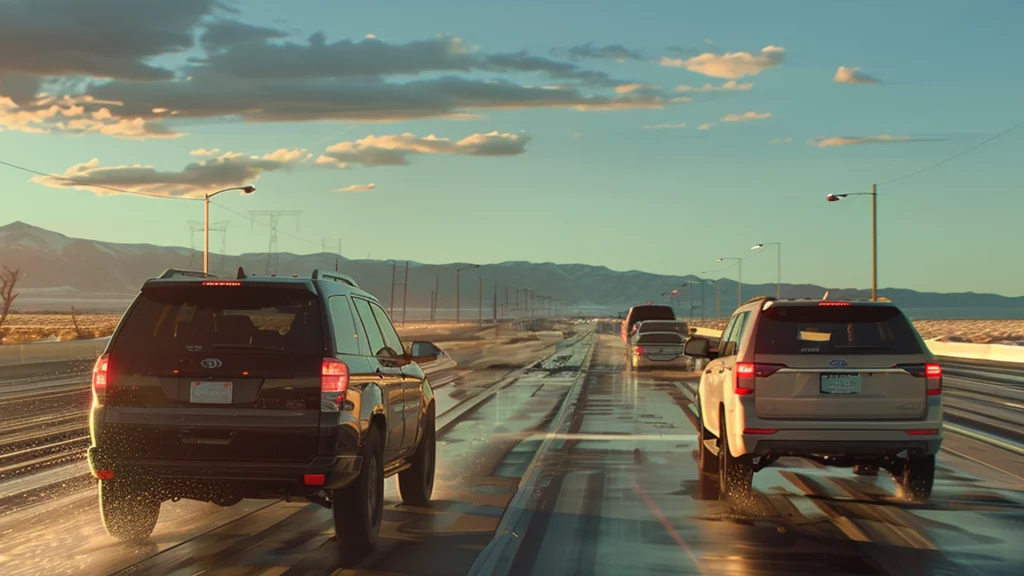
(89,185)
(957,155)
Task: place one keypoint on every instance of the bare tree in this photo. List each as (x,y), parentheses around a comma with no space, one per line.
(8,279)
(74,322)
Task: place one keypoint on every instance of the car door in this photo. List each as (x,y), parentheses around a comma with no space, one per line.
(710,382)
(412,379)
(389,372)
(728,354)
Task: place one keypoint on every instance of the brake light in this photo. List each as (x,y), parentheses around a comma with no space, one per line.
(333,380)
(221,283)
(922,432)
(759,430)
(313,479)
(105,474)
(639,350)
(933,377)
(745,373)
(832,303)
(101,374)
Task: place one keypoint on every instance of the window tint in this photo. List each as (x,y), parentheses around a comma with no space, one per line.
(835,330)
(373,335)
(725,334)
(732,344)
(664,326)
(387,329)
(346,335)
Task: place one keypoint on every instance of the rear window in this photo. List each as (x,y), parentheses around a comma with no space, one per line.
(661,326)
(835,330)
(652,312)
(659,338)
(174,322)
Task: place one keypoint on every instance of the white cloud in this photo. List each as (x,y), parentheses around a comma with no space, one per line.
(192,181)
(746,116)
(853,75)
(825,142)
(658,126)
(781,141)
(358,188)
(44,114)
(204,152)
(394,150)
(681,100)
(576,134)
(728,85)
(706,126)
(732,65)
(371,36)
(633,87)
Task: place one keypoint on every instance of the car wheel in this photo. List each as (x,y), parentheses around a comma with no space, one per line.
(416,483)
(735,474)
(129,513)
(707,461)
(918,477)
(358,507)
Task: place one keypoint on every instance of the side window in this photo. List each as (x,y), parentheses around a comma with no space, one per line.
(346,335)
(725,335)
(732,345)
(373,335)
(387,329)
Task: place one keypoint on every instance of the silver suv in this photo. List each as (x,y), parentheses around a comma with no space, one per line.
(842,383)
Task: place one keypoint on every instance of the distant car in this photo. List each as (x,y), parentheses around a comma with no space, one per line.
(263,387)
(657,344)
(642,312)
(842,383)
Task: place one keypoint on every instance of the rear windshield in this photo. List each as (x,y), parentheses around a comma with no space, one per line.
(656,326)
(835,330)
(659,338)
(174,322)
(653,312)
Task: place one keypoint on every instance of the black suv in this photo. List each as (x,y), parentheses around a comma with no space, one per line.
(219,389)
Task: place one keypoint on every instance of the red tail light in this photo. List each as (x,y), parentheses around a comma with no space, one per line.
(932,373)
(922,432)
(313,479)
(832,303)
(639,350)
(333,380)
(221,283)
(101,374)
(745,373)
(104,474)
(759,430)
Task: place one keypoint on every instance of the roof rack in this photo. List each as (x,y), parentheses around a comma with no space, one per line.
(335,276)
(172,272)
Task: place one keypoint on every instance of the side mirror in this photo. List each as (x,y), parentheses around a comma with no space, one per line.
(697,347)
(424,351)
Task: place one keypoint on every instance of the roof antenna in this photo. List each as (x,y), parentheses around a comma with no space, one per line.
(241,274)
(825,297)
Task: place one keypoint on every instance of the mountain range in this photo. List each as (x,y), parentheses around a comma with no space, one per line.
(60,272)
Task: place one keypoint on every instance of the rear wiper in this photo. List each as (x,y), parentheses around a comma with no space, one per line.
(861,347)
(245,347)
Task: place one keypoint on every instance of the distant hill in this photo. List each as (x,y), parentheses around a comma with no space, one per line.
(60,271)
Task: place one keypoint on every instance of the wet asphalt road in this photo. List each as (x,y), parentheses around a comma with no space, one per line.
(590,502)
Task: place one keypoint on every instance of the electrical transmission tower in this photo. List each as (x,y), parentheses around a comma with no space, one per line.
(197,228)
(332,245)
(273,218)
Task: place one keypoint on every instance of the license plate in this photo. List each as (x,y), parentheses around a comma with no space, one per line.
(210,393)
(840,383)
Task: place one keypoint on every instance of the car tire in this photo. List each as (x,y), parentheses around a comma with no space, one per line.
(129,513)
(707,461)
(358,507)
(917,478)
(416,483)
(735,474)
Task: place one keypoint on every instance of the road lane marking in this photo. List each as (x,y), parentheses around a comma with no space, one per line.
(983,438)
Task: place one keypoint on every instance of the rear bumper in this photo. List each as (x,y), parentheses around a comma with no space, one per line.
(202,479)
(857,443)
(645,361)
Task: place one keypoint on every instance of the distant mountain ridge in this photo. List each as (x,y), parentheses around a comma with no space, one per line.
(60,271)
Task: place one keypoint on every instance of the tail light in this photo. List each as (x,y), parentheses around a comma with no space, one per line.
(333,383)
(101,375)
(745,373)
(931,372)
(221,283)
(833,303)
(639,350)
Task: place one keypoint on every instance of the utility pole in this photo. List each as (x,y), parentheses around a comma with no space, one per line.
(480,303)
(874,242)
(494,307)
(391,307)
(405,290)
(437,292)
(273,218)
(332,245)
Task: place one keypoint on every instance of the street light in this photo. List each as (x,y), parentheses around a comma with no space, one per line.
(458,295)
(206,221)
(718,307)
(778,251)
(739,285)
(874,232)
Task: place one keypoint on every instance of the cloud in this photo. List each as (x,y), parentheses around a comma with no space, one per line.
(745,117)
(103,39)
(658,126)
(395,150)
(223,34)
(726,86)
(609,52)
(853,75)
(358,188)
(576,134)
(781,141)
(706,126)
(825,142)
(193,181)
(45,114)
(733,65)
(634,87)
(205,152)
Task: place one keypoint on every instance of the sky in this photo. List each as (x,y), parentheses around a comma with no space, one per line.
(648,135)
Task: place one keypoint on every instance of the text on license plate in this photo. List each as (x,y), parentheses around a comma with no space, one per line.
(840,383)
(210,392)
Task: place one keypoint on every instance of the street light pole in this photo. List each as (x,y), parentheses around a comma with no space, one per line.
(874,232)
(458,295)
(739,285)
(778,269)
(206,221)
